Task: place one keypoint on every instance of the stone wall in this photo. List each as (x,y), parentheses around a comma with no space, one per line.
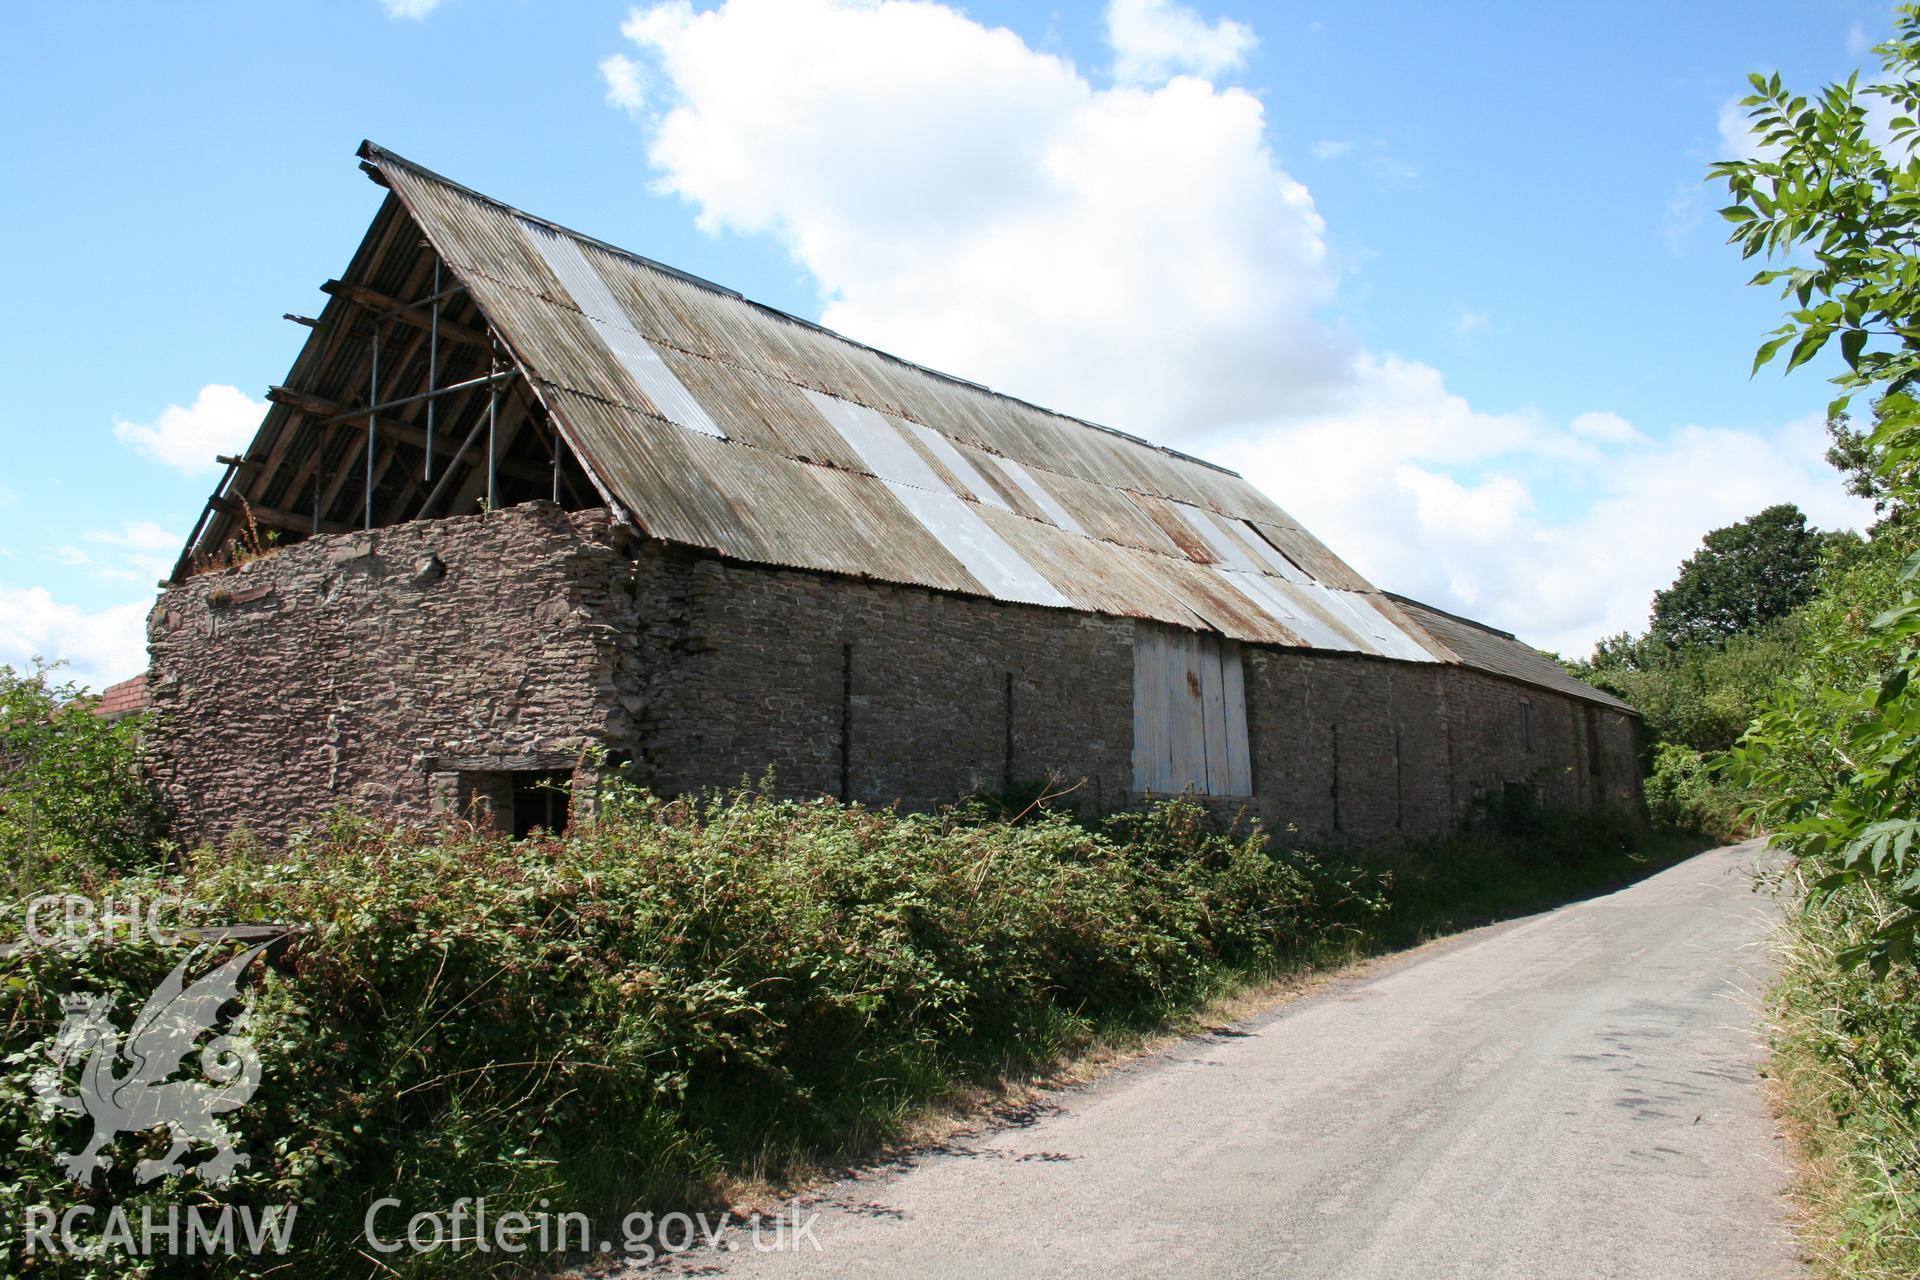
(363,669)
(407,667)
(875,692)
(886,694)
(1370,750)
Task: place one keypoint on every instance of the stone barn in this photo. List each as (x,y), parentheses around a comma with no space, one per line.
(529,505)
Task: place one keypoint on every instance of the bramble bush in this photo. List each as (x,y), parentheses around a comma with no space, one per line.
(1684,794)
(672,992)
(669,996)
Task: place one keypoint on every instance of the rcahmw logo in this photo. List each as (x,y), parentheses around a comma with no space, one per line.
(202,1230)
(123,1083)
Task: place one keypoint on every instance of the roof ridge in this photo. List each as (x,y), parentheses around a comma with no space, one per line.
(372,155)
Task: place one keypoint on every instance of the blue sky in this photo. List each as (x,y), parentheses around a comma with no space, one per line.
(1486,220)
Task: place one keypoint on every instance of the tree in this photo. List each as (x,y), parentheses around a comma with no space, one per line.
(1840,762)
(1853,454)
(72,795)
(1745,576)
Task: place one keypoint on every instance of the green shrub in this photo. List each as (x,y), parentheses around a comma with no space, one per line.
(1684,794)
(71,792)
(677,991)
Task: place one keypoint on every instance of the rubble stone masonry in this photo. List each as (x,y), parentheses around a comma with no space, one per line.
(415,667)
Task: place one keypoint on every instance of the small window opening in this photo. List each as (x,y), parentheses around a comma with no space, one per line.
(541,799)
(518,800)
(1526,723)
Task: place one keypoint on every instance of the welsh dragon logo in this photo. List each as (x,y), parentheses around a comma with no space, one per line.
(123,1083)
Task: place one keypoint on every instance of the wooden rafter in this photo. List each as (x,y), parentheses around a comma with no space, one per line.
(404,312)
(320,416)
(274,517)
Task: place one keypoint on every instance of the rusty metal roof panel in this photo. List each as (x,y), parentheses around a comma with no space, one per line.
(966,473)
(609,322)
(1227,549)
(1107,514)
(1226,609)
(1310,624)
(1404,631)
(471,234)
(767,413)
(755,505)
(1094,578)
(1049,505)
(1310,554)
(727,425)
(1167,518)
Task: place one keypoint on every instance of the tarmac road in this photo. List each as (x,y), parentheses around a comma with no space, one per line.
(1569,1095)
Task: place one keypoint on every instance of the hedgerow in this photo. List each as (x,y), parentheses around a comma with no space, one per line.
(625,1015)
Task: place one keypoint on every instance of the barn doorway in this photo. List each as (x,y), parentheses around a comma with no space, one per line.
(1189,713)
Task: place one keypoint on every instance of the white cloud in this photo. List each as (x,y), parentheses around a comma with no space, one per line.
(1138,255)
(222,419)
(1374,154)
(1858,41)
(1737,140)
(626,83)
(100,647)
(138,552)
(1561,560)
(1154,39)
(410,9)
(979,205)
(1469,322)
(1606,426)
(1685,213)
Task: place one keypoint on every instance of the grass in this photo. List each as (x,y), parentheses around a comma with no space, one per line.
(1845,1070)
(1475,881)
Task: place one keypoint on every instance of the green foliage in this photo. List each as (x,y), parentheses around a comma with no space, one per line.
(1825,190)
(1836,762)
(1744,577)
(71,792)
(1683,795)
(673,992)
(1701,697)
(1853,454)
(1831,763)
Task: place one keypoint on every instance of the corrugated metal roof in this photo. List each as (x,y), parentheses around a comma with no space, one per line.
(723,424)
(1500,653)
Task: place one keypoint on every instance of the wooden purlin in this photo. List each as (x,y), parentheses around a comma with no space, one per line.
(400,311)
(275,435)
(396,426)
